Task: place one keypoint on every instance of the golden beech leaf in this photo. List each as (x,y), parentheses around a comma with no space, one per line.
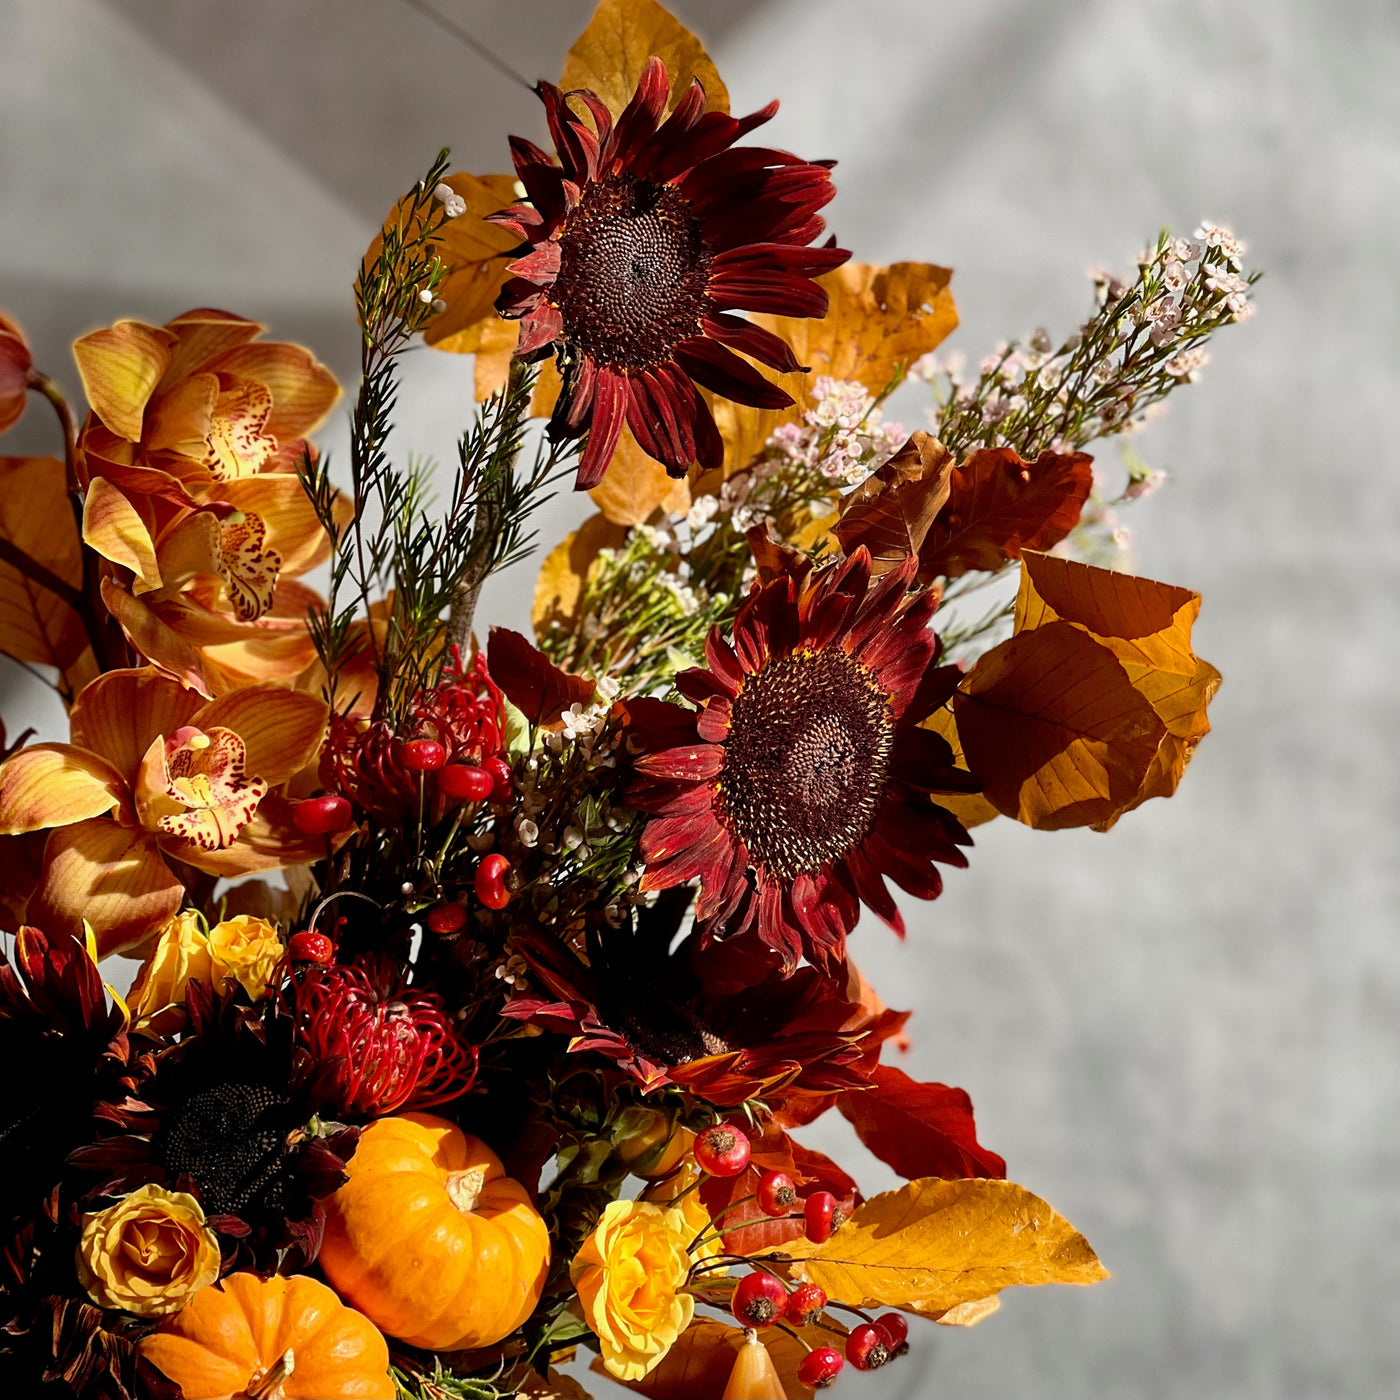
(934,1245)
(970,808)
(636,485)
(880,320)
(1051,724)
(36,625)
(609,56)
(493,341)
(565,568)
(703,1356)
(1147,626)
(890,512)
(969,1314)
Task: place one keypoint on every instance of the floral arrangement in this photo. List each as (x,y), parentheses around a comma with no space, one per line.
(508,1057)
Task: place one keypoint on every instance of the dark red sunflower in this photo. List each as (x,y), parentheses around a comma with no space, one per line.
(809,779)
(670,1019)
(643,240)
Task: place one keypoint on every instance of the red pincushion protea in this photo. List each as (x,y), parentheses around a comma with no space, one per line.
(643,240)
(392,1046)
(465,714)
(809,779)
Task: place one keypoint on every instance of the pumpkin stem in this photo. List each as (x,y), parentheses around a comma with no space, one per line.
(268,1386)
(465,1187)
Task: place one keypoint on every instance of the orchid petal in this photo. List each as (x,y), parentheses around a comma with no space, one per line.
(47,785)
(120,368)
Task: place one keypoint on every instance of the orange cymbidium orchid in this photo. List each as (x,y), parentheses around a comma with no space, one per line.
(189,464)
(156,775)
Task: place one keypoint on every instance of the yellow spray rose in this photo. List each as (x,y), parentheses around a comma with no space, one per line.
(249,949)
(148,1254)
(627,1275)
(158,992)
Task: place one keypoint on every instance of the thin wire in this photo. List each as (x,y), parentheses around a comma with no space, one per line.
(450,26)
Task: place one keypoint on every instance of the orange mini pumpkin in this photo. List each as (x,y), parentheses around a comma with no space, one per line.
(431,1239)
(277,1338)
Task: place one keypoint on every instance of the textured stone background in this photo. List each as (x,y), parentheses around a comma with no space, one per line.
(1186,1036)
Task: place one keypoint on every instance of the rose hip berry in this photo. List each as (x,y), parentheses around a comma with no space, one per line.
(503,778)
(759,1300)
(820,1367)
(490,882)
(446,918)
(423,755)
(866,1348)
(465,783)
(896,1331)
(823,1216)
(777,1194)
(805,1304)
(321,816)
(722,1150)
(310,947)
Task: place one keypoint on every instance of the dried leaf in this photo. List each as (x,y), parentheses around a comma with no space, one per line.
(703,1356)
(636,485)
(1053,727)
(881,319)
(494,342)
(890,512)
(999,505)
(36,625)
(969,1314)
(970,808)
(533,684)
(561,578)
(918,1129)
(1147,626)
(609,56)
(934,1245)
(555,1386)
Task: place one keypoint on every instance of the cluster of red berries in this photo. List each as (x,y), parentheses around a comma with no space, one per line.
(761,1299)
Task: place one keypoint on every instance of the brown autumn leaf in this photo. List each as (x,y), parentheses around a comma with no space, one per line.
(1147,626)
(561,577)
(493,341)
(891,511)
(555,1386)
(999,505)
(475,252)
(36,625)
(532,683)
(636,485)
(934,1245)
(970,808)
(1055,730)
(700,1361)
(609,56)
(880,320)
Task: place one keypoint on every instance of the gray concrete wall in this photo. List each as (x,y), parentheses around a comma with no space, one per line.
(1187,1034)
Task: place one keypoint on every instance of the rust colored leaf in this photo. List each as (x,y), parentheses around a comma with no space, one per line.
(1052,725)
(999,505)
(565,568)
(36,625)
(703,1356)
(890,513)
(934,1245)
(881,319)
(918,1129)
(609,56)
(534,685)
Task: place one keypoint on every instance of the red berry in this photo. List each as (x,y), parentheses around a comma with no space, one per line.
(310,947)
(490,882)
(776,1193)
(759,1299)
(823,1216)
(805,1304)
(320,816)
(465,783)
(503,778)
(820,1367)
(446,918)
(423,755)
(866,1348)
(896,1331)
(722,1150)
